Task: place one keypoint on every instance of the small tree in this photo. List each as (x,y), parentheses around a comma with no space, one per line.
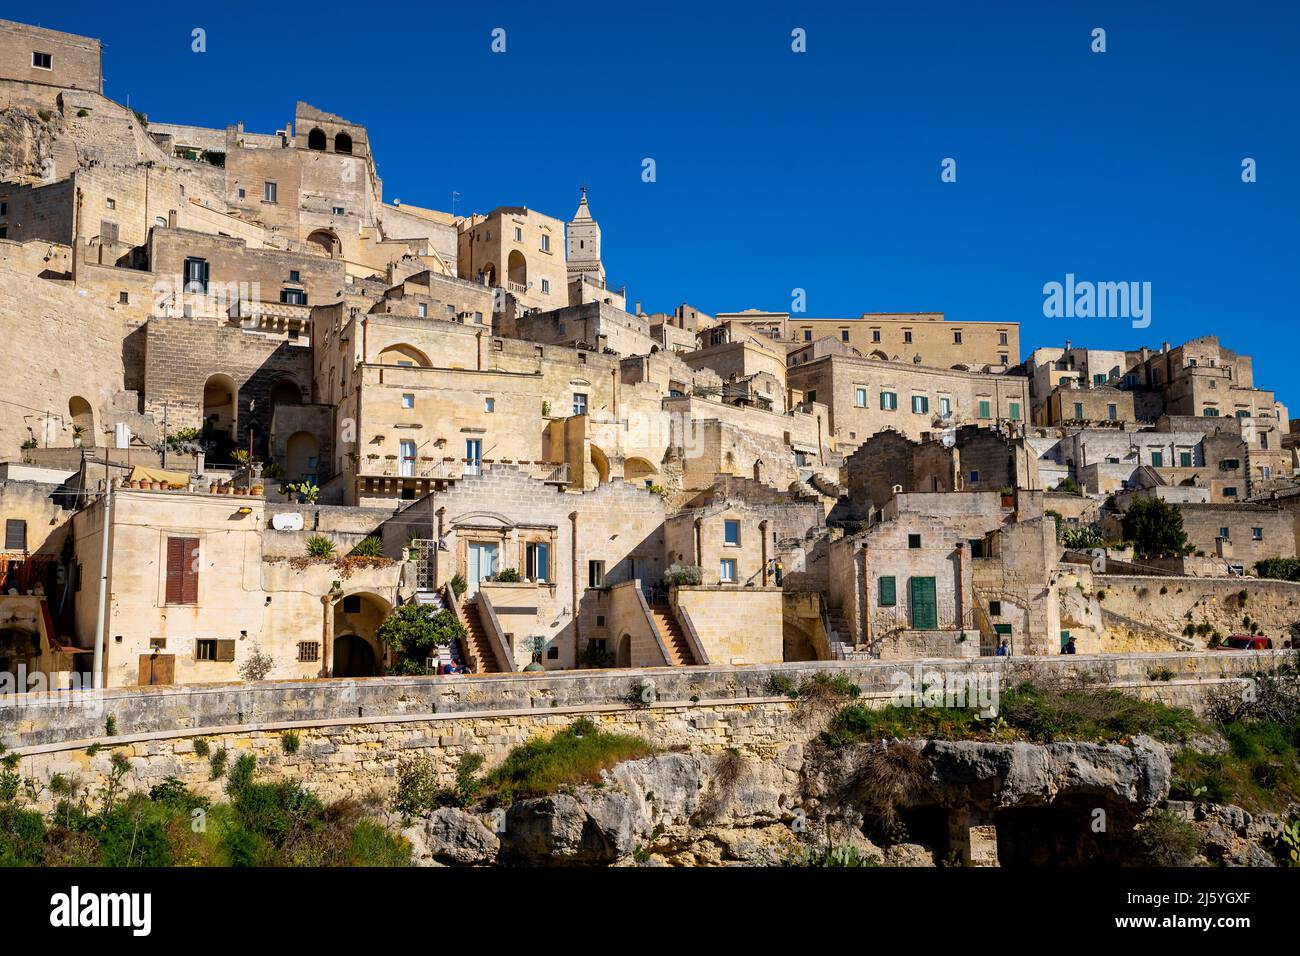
(1082,538)
(414,630)
(1156,529)
(257,665)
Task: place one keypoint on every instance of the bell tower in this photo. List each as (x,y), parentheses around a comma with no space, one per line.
(583,248)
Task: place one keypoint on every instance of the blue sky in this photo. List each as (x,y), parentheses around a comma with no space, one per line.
(820,170)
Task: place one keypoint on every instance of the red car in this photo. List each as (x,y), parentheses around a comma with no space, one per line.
(1247,642)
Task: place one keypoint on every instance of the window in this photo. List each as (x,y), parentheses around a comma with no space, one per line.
(1112,412)
(889,401)
(1078,411)
(1230,492)
(110,202)
(211,649)
(308,651)
(913,541)
(1223,533)
(907,337)
(1257,534)
(269,192)
(1229,464)
(1211,412)
(293,296)
(945,406)
(1157,459)
(995,608)
(489,405)
(352,604)
(537,560)
(546,287)
(519,234)
(1002,358)
(860,397)
(1185,459)
(1014,411)
(807,335)
(875,335)
(1002,338)
(888,592)
(595,574)
(295,276)
(124,298)
(956,338)
(422,310)
(812,394)
(42,61)
(731,533)
(974,476)
(1099,378)
(984,409)
(242,194)
(337,210)
(196,275)
(182,571)
(408,400)
(727,570)
(15,534)
(579,403)
(546,243)
(844,335)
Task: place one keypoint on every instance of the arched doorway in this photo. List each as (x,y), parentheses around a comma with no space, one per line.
(353,657)
(326,241)
(489,273)
(758,469)
(83,419)
(316,139)
(342,143)
(220,416)
(301,456)
(356,621)
(624,658)
(517,269)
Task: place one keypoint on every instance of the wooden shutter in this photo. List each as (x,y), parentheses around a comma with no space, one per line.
(182,571)
(225,650)
(888,592)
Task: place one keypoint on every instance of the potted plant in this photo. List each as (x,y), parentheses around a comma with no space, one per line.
(77,432)
(1008,496)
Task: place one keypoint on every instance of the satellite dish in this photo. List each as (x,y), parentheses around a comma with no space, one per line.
(948,440)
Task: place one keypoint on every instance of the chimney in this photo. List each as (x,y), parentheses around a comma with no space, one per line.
(1067,345)
(1164,348)
(638,307)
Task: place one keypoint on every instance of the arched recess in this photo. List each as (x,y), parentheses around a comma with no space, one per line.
(639,470)
(83,418)
(326,241)
(357,652)
(517,268)
(878,354)
(220,412)
(316,139)
(600,462)
(403,354)
(285,392)
(489,273)
(624,656)
(758,469)
(302,456)
(342,143)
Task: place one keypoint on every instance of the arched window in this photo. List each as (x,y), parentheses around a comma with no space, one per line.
(342,143)
(316,139)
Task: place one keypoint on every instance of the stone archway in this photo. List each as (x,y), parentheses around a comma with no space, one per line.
(357,617)
(316,139)
(327,242)
(83,419)
(353,657)
(624,656)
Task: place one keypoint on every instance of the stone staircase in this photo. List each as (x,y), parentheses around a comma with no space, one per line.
(839,638)
(671,631)
(479,645)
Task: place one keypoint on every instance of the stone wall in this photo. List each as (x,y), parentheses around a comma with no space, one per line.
(354,733)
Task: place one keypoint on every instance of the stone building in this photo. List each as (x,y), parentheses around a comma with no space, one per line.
(40,57)
(866,396)
(520,250)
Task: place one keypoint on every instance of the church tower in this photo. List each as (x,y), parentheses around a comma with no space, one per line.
(583,253)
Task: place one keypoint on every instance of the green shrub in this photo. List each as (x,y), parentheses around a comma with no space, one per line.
(573,756)
(688,574)
(289,742)
(414,630)
(368,547)
(217,763)
(507,576)
(319,546)
(458,585)
(1167,840)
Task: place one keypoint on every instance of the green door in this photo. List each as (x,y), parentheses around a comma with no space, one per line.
(925,611)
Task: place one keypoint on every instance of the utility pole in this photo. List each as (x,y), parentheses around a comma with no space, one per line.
(100,622)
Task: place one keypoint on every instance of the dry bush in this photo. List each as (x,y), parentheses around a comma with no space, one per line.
(890,777)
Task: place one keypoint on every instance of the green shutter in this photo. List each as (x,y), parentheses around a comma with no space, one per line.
(888,592)
(925,610)
(1015,411)
(984,410)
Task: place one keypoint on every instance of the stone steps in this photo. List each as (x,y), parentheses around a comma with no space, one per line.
(672,633)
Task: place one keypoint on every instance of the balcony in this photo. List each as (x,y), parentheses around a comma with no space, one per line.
(453,469)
